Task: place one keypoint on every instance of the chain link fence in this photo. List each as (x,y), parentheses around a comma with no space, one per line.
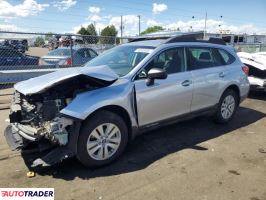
(250,48)
(26,55)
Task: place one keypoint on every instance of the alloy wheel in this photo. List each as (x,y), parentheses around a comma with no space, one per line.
(228,107)
(104,141)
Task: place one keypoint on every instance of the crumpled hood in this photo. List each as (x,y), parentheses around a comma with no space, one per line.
(41,83)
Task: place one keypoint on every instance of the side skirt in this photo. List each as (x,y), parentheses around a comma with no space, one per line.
(206,111)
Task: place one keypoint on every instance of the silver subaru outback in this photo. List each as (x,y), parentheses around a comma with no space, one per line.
(92,112)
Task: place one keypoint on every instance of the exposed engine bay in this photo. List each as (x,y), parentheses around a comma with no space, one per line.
(38,116)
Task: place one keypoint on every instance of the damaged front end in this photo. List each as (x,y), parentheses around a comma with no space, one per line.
(37,122)
(35,117)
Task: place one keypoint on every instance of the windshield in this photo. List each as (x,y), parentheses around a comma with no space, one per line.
(60,52)
(121,59)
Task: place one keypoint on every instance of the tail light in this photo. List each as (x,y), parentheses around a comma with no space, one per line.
(40,62)
(245,69)
(68,62)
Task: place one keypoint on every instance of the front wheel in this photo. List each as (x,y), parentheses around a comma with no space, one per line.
(102,139)
(227,107)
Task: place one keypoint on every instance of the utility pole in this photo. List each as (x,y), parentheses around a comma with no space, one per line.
(205,26)
(139,24)
(121,28)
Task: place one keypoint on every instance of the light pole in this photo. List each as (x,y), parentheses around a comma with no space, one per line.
(221,30)
(121,29)
(139,24)
(205,26)
(191,27)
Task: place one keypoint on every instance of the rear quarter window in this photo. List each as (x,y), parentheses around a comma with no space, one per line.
(227,57)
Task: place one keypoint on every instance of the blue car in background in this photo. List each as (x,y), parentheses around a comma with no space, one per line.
(12,57)
(62,56)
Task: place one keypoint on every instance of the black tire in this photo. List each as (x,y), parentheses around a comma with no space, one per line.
(218,117)
(100,117)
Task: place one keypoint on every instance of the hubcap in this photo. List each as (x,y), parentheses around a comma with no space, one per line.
(228,107)
(104,141)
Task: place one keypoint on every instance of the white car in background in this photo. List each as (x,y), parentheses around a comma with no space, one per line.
(257,69)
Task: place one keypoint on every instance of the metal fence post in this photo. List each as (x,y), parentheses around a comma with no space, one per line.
(71,51)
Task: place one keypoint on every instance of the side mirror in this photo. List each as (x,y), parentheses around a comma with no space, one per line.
(156,73)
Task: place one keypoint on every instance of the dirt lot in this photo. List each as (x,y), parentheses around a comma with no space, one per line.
(37,51)
(196,159)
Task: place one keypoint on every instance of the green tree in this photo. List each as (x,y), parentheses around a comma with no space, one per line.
(152,29)
(82,31)
(89,34)
(108,34)
(48,36)
(39,41)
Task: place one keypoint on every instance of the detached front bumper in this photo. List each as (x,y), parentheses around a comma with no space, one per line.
(14,134)
(19,136)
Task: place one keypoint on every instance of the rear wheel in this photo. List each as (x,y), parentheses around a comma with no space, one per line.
(227,106)
(102,139)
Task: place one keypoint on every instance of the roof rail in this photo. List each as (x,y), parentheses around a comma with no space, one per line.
(189,38)
(137,39)
(217,41)
(180,38)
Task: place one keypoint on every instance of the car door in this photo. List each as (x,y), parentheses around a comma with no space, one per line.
(79,57)
(208,74)
(12,57)
(168,98)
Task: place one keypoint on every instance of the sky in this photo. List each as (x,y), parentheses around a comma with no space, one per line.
(67,16)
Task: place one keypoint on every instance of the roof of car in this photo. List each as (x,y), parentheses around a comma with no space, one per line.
(74,47)
(153,41)
(6,47)
(150,43)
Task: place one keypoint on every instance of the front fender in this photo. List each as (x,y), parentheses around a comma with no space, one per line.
(120,94)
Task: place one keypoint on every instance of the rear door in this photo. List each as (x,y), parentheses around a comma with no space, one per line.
(208,75)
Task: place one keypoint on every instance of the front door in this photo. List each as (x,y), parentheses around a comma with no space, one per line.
(166,98)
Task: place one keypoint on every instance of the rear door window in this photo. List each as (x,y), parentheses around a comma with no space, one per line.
(92,53)
(227,57)
(205,57)
(200,58)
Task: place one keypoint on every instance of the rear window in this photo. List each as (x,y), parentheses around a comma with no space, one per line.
(9,53)
(227,57)
(60,52)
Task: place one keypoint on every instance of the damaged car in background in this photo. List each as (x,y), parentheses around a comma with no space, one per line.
(257,69)
(92,112)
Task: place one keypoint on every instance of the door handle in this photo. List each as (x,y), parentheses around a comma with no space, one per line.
(186,83)
(221,74)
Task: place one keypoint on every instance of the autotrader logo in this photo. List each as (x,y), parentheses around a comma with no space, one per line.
(27,193)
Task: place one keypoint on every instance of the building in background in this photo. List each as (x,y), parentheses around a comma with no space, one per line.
(226,35)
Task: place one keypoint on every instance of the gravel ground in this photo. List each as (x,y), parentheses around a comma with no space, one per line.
(195,159)
(37,51)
